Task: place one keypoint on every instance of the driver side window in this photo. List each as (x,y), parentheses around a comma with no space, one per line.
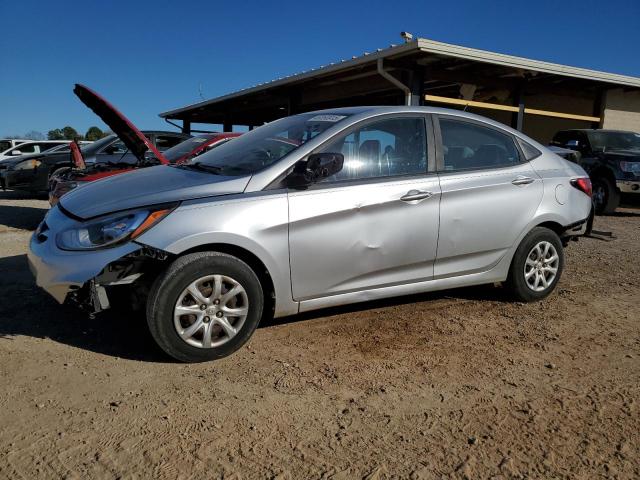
(386,148)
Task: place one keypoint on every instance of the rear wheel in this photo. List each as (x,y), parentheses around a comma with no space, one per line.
(536,266)
(606,197)
(205,306)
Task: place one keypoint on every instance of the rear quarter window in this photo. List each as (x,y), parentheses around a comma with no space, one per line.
(530,152)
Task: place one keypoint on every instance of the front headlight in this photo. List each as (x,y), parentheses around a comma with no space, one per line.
(630,167)
(111,230)
(27,165)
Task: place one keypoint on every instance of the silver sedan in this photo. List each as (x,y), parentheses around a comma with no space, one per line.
(315,210)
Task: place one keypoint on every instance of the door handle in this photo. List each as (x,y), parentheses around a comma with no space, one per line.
(522,180)
(415,195)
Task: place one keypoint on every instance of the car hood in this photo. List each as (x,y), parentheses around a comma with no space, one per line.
(624,153)
(147,186)
(9,163)
(133,138)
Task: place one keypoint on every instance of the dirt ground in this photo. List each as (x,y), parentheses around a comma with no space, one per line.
(462,383)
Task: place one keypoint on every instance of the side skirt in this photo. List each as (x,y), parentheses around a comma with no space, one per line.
(496,274)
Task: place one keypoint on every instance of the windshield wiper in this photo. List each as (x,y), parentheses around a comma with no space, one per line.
(202,167)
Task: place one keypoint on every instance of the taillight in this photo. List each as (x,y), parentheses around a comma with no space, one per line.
(583,184)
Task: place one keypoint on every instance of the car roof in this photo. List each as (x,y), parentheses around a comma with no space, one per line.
(165,132)
(381,110)
(44,141)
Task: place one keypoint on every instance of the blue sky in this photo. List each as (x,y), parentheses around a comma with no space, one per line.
(150,56)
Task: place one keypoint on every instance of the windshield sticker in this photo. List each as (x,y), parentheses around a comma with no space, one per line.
(327,118)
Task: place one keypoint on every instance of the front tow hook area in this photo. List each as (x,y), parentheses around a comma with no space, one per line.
(90,298)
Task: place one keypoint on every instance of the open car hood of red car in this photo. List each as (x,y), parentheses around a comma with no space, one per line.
(76,155)
(133,138)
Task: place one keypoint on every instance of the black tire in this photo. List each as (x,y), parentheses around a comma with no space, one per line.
(168,287)
(516,281)
(606,196)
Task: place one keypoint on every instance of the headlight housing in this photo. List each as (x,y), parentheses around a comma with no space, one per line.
(27,165)
(630,167)
(111,230)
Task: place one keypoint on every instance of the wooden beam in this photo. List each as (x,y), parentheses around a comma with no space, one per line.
(508,108)
(570,116)
(469,103)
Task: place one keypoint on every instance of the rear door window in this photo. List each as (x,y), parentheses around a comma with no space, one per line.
(27,148)
(471,146)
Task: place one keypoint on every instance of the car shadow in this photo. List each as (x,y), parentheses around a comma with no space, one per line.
(475,293)
(626,213)
(26,310)
(21,195)
(23,218)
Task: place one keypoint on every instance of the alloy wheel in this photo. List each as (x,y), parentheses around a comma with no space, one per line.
(211,311)
(599,195)
(541,266)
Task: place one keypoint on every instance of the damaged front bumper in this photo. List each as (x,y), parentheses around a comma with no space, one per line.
(64,274)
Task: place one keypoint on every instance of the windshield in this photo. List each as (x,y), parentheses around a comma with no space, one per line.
(188,146)
(97,145)
(63,147)
(601,140)
(265,145)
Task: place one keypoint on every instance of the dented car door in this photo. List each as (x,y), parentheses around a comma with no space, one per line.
(373,224)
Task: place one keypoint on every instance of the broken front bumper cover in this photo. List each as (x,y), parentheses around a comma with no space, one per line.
(60,272)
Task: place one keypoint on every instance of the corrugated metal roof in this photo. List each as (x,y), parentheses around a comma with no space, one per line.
(425,46)
(484,56)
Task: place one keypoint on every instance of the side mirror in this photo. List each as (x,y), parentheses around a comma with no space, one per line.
(316,167)
(110,150)
(15,153)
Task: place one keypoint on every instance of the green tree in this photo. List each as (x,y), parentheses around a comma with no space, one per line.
(94,133)
(55,134)
(70,133)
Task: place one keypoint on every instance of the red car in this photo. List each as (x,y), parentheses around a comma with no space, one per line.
(147,155)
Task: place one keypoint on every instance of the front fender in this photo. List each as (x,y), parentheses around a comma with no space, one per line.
(257,223)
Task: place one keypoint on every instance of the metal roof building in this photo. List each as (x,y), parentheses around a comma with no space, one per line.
(535,96)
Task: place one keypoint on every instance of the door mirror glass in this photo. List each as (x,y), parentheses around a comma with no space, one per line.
(572,144)
(316,167)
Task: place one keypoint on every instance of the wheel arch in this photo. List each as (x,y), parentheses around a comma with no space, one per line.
(551,225)
(251,259)
(603,171)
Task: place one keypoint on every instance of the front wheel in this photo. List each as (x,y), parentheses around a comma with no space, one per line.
(205,306)
(536,266)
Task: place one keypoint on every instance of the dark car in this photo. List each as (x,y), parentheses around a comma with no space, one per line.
(612,159)
(66,179)
(144,151)
(32,172)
